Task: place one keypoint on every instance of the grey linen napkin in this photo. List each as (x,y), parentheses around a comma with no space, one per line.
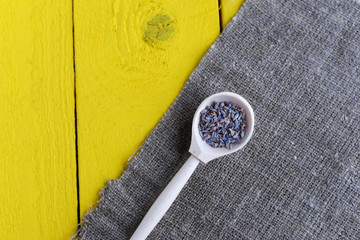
(298,64)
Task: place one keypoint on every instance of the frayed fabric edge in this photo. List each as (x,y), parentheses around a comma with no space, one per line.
(81,232)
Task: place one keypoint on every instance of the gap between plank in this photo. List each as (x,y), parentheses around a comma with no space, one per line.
(220,15)
(75,115)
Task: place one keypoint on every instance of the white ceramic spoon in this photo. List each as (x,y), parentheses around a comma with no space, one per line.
(200,151)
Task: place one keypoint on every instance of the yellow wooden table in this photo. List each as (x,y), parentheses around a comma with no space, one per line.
(82,83)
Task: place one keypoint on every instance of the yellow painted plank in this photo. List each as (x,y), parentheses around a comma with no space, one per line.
(132,59)
(37,148)
(228,10)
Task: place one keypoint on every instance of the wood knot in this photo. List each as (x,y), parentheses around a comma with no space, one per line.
(159,28)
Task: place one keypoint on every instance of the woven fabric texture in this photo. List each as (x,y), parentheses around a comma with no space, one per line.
(298,64)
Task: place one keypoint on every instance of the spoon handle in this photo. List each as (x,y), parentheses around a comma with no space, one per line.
(165,199)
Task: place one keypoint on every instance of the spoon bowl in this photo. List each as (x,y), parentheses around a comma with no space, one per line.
(204,152)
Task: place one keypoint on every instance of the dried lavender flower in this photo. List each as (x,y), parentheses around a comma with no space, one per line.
(222,124)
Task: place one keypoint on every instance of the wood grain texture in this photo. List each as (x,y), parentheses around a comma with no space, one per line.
(37,147)
(228,10)
(132,59)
